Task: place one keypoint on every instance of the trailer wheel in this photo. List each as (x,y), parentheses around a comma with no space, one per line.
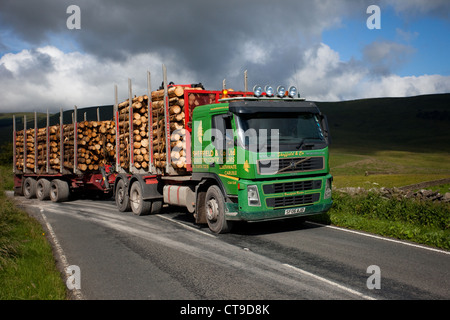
(59,190)
(215,210)
(139,206)
(121,197)
(43,189)
(29,188)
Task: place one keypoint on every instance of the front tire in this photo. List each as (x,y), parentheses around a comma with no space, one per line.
(215,211)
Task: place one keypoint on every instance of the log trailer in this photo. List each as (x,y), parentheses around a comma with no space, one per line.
(223,155)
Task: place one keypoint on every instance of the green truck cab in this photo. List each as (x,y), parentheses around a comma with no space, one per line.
(270,156)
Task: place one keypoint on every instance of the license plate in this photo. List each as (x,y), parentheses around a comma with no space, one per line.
(293,211)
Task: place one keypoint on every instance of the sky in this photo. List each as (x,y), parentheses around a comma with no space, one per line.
(324,47)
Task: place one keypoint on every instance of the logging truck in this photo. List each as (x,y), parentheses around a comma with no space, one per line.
(223,155)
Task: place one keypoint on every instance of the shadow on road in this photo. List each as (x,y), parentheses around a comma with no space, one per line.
(269,227)
(248,228)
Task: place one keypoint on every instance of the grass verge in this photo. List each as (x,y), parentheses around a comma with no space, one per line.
(27,266)
(407,219)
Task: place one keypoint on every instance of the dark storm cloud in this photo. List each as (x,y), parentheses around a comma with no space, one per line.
(202,36)
(32,21)
(205,37)
(209,39)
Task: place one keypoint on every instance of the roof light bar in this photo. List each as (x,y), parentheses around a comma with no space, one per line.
(281,91)
(257,91)
(292,92)
(269,91)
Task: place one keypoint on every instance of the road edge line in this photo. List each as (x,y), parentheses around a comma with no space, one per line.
(416,245)
(76,293)
(332,283)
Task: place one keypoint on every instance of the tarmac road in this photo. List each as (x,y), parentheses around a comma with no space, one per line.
(168,257)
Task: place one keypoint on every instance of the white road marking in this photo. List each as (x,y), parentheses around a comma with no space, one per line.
(60,252)
(380,238)
(334,284)
(186,226)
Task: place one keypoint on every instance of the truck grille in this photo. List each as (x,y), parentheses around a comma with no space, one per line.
(288,165)
(292,201)
(292,186)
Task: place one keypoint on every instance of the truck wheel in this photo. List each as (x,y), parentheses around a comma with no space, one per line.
(215,211)
(121,197)
(43,187)
(29,188)
(139,206)
(59,190)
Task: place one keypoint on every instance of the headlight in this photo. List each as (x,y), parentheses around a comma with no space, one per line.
(327,193)
(253,196)
(281,91)
(269,91)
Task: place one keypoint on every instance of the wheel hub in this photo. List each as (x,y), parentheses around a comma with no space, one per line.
(212,210)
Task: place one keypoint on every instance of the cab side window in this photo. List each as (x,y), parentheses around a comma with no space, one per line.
(222,133)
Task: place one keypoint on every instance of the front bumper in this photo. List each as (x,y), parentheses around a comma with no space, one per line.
(281,199)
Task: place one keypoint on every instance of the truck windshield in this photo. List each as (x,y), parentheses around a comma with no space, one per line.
(292,131)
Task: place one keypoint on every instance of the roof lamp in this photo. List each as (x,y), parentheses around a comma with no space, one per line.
(281,91)
(257,91)
(292,91)
(269,91)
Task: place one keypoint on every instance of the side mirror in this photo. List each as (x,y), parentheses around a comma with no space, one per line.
(325,127)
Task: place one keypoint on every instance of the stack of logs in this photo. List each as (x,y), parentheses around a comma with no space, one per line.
(96,140)
(54,147)
(139,133)
(20,150)
(177,130)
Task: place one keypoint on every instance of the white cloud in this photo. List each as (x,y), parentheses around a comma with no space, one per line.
(325,77)
(34,80)
(74,79)
(419,7)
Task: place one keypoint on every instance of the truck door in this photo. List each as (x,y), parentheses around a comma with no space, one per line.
(222,137)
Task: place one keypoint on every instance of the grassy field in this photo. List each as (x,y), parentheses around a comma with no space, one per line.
(387,168)
(27,266)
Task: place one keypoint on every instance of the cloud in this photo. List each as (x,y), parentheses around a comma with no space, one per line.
(48,78)
(220,38)
(405,35)
(418,8)
(325,77)
(34,80)
(278,42)
(386,56)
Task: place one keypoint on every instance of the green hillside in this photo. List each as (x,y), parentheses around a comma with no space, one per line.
(417,124)
(413,124)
